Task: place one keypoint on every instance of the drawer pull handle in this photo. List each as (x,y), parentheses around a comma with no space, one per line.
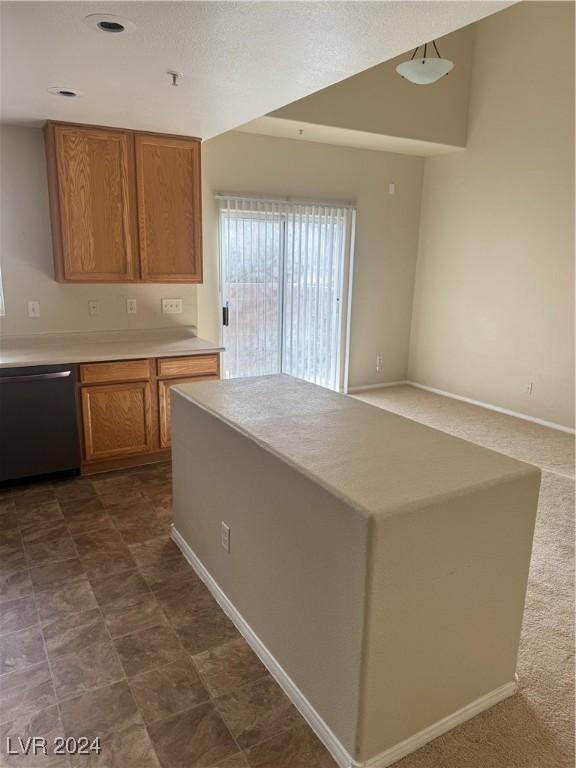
(35,377)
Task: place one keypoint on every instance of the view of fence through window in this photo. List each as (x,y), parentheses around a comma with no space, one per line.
(284,273)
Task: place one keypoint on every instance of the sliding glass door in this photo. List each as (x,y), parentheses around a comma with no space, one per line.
(284,282)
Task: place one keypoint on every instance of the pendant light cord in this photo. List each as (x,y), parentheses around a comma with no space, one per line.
(426,50)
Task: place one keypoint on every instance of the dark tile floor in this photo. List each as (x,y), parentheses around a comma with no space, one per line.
(106,631)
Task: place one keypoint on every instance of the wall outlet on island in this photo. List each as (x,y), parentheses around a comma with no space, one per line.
(171,306)
(225,537)
(33,309)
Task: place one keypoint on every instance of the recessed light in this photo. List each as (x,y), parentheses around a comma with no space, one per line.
(110,26)
(67,93)
(107,22)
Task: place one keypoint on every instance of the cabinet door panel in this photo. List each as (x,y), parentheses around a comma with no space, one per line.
(169,208)
(164,413)
(117,420)
(95,177)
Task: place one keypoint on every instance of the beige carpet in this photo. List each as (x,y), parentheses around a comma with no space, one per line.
(534,728)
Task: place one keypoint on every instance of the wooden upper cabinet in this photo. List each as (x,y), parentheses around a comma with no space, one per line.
(169,208)
(125,206)
(92,197)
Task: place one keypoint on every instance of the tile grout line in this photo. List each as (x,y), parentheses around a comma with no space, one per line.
(149,591)
(103,619)
(190,657)
(112,644)
(127,678)
(60,700)
(48,662)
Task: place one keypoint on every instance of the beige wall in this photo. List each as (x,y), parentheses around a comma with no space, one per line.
(26,259)
(378,101)
(494,296)
(285,567)
(386,232)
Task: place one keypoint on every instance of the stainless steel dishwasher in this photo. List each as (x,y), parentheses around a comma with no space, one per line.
(38,422)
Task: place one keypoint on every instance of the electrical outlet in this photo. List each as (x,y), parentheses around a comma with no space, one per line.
(171,306)
(93,308)
(392,188)
(225,537)
(33,309)
(131,307)
(379,363)
(529,388)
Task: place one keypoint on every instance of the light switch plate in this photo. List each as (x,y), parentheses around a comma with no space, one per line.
(225,537)
(171,306)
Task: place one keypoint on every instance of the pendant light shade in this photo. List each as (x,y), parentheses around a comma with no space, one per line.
(426,69)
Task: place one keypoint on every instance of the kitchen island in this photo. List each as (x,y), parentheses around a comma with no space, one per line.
(377,566)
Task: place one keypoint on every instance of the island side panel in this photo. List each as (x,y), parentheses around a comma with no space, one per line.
(296,570)
(445,604)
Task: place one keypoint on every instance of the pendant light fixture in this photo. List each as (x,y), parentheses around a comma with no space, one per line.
(425,70)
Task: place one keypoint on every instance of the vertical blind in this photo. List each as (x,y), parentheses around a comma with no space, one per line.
(2,305)
(284,276)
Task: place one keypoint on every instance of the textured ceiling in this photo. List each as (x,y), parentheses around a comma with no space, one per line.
(240,60)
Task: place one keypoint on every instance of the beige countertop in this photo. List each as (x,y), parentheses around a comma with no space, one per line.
(55,349)
(376,461)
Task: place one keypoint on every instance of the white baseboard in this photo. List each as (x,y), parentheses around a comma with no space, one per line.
(365,387)
(497,408)
(413,743)
(326,736)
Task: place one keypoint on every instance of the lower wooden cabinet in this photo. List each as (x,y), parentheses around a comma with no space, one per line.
(125,407)
(164,414)
(117,420)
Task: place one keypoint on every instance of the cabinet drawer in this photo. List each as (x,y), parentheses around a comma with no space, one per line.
(195,365)
(125,370)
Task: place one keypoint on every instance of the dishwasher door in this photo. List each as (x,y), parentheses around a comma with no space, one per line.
(38,421)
